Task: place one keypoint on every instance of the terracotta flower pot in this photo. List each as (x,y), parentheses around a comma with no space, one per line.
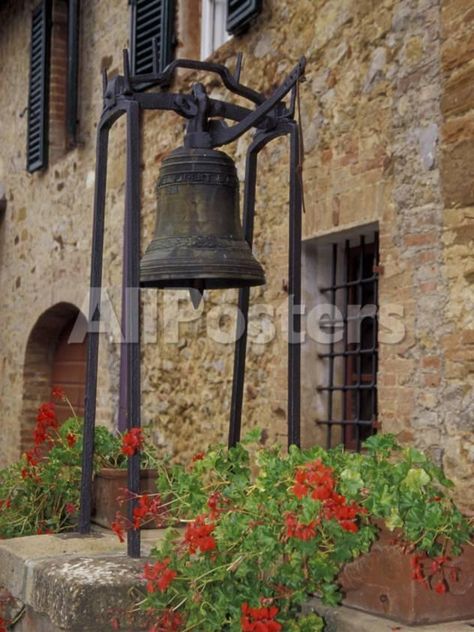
(109,485)
(381,583)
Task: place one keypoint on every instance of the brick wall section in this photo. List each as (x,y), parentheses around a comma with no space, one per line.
(457,172)
(411,241)
(381,91)
(58,82)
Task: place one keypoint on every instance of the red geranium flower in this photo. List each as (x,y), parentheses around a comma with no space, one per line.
(317,479)
(32,457)
(348,525)
(215,502)
(441,587)
(259,619)
(71,439)
(299,490)
(45,420)
(118,527)
(147,509)
(58,393)
(158,576)
(132,441)
(198,536)
(295,529)
(169,621)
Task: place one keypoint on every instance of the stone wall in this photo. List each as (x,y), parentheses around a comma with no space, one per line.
(457,173)
(46,229)
(387,93)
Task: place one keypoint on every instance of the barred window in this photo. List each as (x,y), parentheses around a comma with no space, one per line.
(348,386)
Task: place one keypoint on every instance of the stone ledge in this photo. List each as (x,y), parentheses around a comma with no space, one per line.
(19,556)
(344,619)
(84,594)
(73,583)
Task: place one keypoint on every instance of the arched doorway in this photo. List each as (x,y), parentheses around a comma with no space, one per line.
(52,360)
(68,372)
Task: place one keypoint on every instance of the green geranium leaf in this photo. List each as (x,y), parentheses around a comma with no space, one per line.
(351,481)
(416,479)
(394,521)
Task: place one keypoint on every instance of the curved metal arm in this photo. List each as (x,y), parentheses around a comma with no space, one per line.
(232,133)
(164,78)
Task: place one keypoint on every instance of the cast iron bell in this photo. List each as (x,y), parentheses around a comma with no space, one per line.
(198,240)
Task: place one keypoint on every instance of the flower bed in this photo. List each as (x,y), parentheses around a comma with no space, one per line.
(40,492)
(265,529)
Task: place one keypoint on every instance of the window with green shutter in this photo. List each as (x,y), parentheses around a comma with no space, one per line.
(38,100)
(73,18)
(152,26)
(240,13)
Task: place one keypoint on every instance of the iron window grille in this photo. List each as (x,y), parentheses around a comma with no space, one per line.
(152,29)
(351,388)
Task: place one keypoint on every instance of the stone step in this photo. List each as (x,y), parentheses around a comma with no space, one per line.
(73,583)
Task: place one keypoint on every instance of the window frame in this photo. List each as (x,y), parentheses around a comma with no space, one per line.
(54,137)
(355,384)
(209,41)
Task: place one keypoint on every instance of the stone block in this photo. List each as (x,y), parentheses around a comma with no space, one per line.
(32,621)
(457,169)
(74,583)
(18,556)
(458,94)
(452,9)
(457,51)
(83,594)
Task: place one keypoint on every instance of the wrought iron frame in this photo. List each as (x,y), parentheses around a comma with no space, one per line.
(271,118)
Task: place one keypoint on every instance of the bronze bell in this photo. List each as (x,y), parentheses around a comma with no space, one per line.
(198,240)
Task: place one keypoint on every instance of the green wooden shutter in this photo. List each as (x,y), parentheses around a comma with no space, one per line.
(73,15)
(240,13)
(151,20)
(38,100)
